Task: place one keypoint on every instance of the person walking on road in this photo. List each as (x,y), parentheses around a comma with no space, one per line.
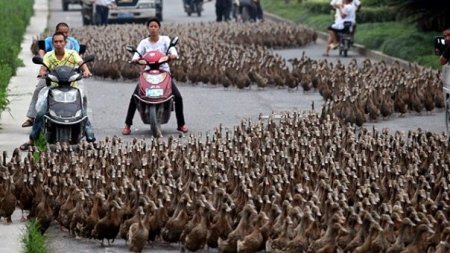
(102,11)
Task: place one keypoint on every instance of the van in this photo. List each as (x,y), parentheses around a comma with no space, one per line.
(135,11)
(65,3)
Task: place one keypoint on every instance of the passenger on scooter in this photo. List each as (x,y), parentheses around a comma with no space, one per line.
(156,42)
(337,3)
(60,56)
(347,12)
(73,44)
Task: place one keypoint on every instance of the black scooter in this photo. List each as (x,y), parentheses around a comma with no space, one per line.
(64,120)
(346,38)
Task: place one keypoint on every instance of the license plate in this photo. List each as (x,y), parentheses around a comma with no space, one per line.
(124,15)
(154,92)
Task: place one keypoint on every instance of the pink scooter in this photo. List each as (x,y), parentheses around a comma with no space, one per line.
(154,98)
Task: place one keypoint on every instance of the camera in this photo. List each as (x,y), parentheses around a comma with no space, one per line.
(439,45)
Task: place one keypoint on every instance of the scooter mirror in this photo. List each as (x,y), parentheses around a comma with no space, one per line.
(38,60)
(89,58)
(174,41)
(131,49)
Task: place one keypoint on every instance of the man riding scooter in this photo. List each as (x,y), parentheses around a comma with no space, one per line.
(57,57)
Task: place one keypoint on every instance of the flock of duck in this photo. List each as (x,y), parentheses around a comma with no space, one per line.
(241,55)
(296,182)
(358,93)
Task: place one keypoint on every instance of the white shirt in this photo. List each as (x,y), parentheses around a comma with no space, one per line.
(104,2)
(161,45)
(350,15)
(337,16)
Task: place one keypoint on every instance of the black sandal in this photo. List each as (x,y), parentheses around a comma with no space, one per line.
(28,123)
(25,146)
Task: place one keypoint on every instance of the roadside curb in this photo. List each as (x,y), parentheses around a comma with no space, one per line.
(360,49)
(20,88)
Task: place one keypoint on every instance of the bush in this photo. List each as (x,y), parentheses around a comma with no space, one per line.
(14,19)
(375,14)
(318,7)
(33,241)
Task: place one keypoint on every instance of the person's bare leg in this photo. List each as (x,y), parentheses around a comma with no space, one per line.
(329,41)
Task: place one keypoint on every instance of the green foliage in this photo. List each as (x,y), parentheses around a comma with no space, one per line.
(40,145)
(14,20)
(372,35)
(318,7)
(33,241)
(374,3)
(428,15)
(376,14)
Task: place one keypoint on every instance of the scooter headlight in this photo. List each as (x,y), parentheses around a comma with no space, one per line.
(78,114)
(155,78)
(52,113)
(65,96)
(52,78)
(75,77)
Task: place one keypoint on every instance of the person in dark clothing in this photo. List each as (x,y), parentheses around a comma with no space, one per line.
(445,56)
(220,10)
(259,14)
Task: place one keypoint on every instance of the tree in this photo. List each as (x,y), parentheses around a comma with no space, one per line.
(430,15)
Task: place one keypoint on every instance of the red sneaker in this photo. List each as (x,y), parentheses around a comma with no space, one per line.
(126,131)
(183,129)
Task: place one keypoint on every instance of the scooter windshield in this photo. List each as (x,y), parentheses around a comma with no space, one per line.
(154,78)
(68,96)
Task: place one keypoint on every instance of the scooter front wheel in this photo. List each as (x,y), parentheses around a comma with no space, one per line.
(155,128)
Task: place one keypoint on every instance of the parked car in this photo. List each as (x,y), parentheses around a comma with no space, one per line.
(135,11)
(65,3)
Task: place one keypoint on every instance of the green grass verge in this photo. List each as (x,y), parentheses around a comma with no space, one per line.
(396,38)
(14,19)
(33,241)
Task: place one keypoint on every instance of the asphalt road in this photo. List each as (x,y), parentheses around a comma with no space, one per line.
(205,106)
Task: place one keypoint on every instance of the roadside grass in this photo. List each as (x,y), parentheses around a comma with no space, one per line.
(393,37)
(33,241)
(14,19)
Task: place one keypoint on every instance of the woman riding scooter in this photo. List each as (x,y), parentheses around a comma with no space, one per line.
(161,43)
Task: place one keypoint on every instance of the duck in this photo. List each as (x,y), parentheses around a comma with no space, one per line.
(8,200)
(108,226)
(175,225)
(78,216)
(243,228)
(419,243)
(96,213)
(197,237)
(255,241)
(44,212)
(138,233)
(328,242)
(221,226)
